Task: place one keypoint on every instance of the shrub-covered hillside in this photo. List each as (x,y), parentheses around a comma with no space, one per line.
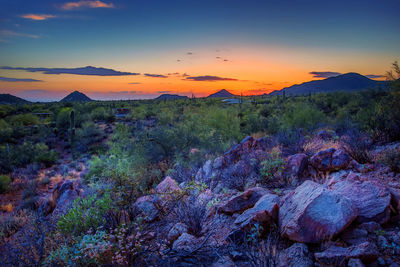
(271,181)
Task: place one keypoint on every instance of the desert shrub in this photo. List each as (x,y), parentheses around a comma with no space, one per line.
(91,250)
(303,116)
(30,190)
(273,166)
(85,214)
(44,155)
(13,223)
(192,213)
(102,114)
(357,145)
(24,119)
(4,183)
(63,119)
(88,135)
(292,140)
(5,131)
(391,158)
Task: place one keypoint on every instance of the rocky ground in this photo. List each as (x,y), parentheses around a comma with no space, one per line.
(325,209)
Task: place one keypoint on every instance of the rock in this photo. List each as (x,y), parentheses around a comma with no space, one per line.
(371,199)
(295,256)
(168,186)
(176,231)
(204,174)
(47,206)
(395,193)
(244,200)
(146,206)
(185,242)
(355,263)
(370,227)
(337,256)
(264,212)
(296,165)
(330,160)
(324,135)
(313,213)
(224,261)
(355,236)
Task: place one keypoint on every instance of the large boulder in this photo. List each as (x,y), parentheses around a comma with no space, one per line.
(296,255)
(264,212)
(371,199)
(313,213)
(243,201)
(395,193)
(337,256)
(330,160)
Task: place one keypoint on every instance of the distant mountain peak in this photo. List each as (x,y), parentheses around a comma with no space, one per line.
(11,99)
(349,82)
(76,96)
(222,93)
(170,97)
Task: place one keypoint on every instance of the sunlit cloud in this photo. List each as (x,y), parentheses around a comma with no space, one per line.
(209,78)
(324,74)
(89,70)
(135,83)
(6,79)
(37,16)
(155,75)
(86,4)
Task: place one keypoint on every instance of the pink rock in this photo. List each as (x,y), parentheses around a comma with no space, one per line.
(244,200)
(185,242)
(296,164)
(168,186)
(313,213)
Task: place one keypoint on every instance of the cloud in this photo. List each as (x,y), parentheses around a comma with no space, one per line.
(135,83)
(324,74)
(189,53)
(5,34)
(86,4)
(37,16)
(163,92)
(6,79)
(257,91)
(155,75)
(374,76)
(89,70)
(209,78)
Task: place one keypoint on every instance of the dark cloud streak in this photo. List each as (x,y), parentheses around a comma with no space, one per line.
(6,79)
(89,70)
(209,78)
(324,74)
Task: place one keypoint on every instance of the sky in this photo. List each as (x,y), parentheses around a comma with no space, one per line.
(129,49)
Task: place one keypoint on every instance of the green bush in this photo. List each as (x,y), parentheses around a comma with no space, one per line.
(4,183)
(89,213)
(273,166)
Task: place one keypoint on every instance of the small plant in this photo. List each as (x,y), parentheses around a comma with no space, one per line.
(192,213)
(357,145)
(4,183)
(85,214)
(213,202)
(273,166)
(391,158)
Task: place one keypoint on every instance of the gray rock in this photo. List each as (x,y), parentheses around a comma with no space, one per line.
(337,256)
(371,199)
(244,200)
(185,242)
(355,263)
(313,213)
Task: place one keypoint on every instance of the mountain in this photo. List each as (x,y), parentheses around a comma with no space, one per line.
(222,93)
(76,97)
(10,99)
(349,82)
(170,97)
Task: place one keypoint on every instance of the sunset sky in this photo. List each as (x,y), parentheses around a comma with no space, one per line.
(140,49)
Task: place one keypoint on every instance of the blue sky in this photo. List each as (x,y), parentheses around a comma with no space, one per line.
(241,40)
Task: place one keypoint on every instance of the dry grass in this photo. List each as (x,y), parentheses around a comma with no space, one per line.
(316,145)
(7,207)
